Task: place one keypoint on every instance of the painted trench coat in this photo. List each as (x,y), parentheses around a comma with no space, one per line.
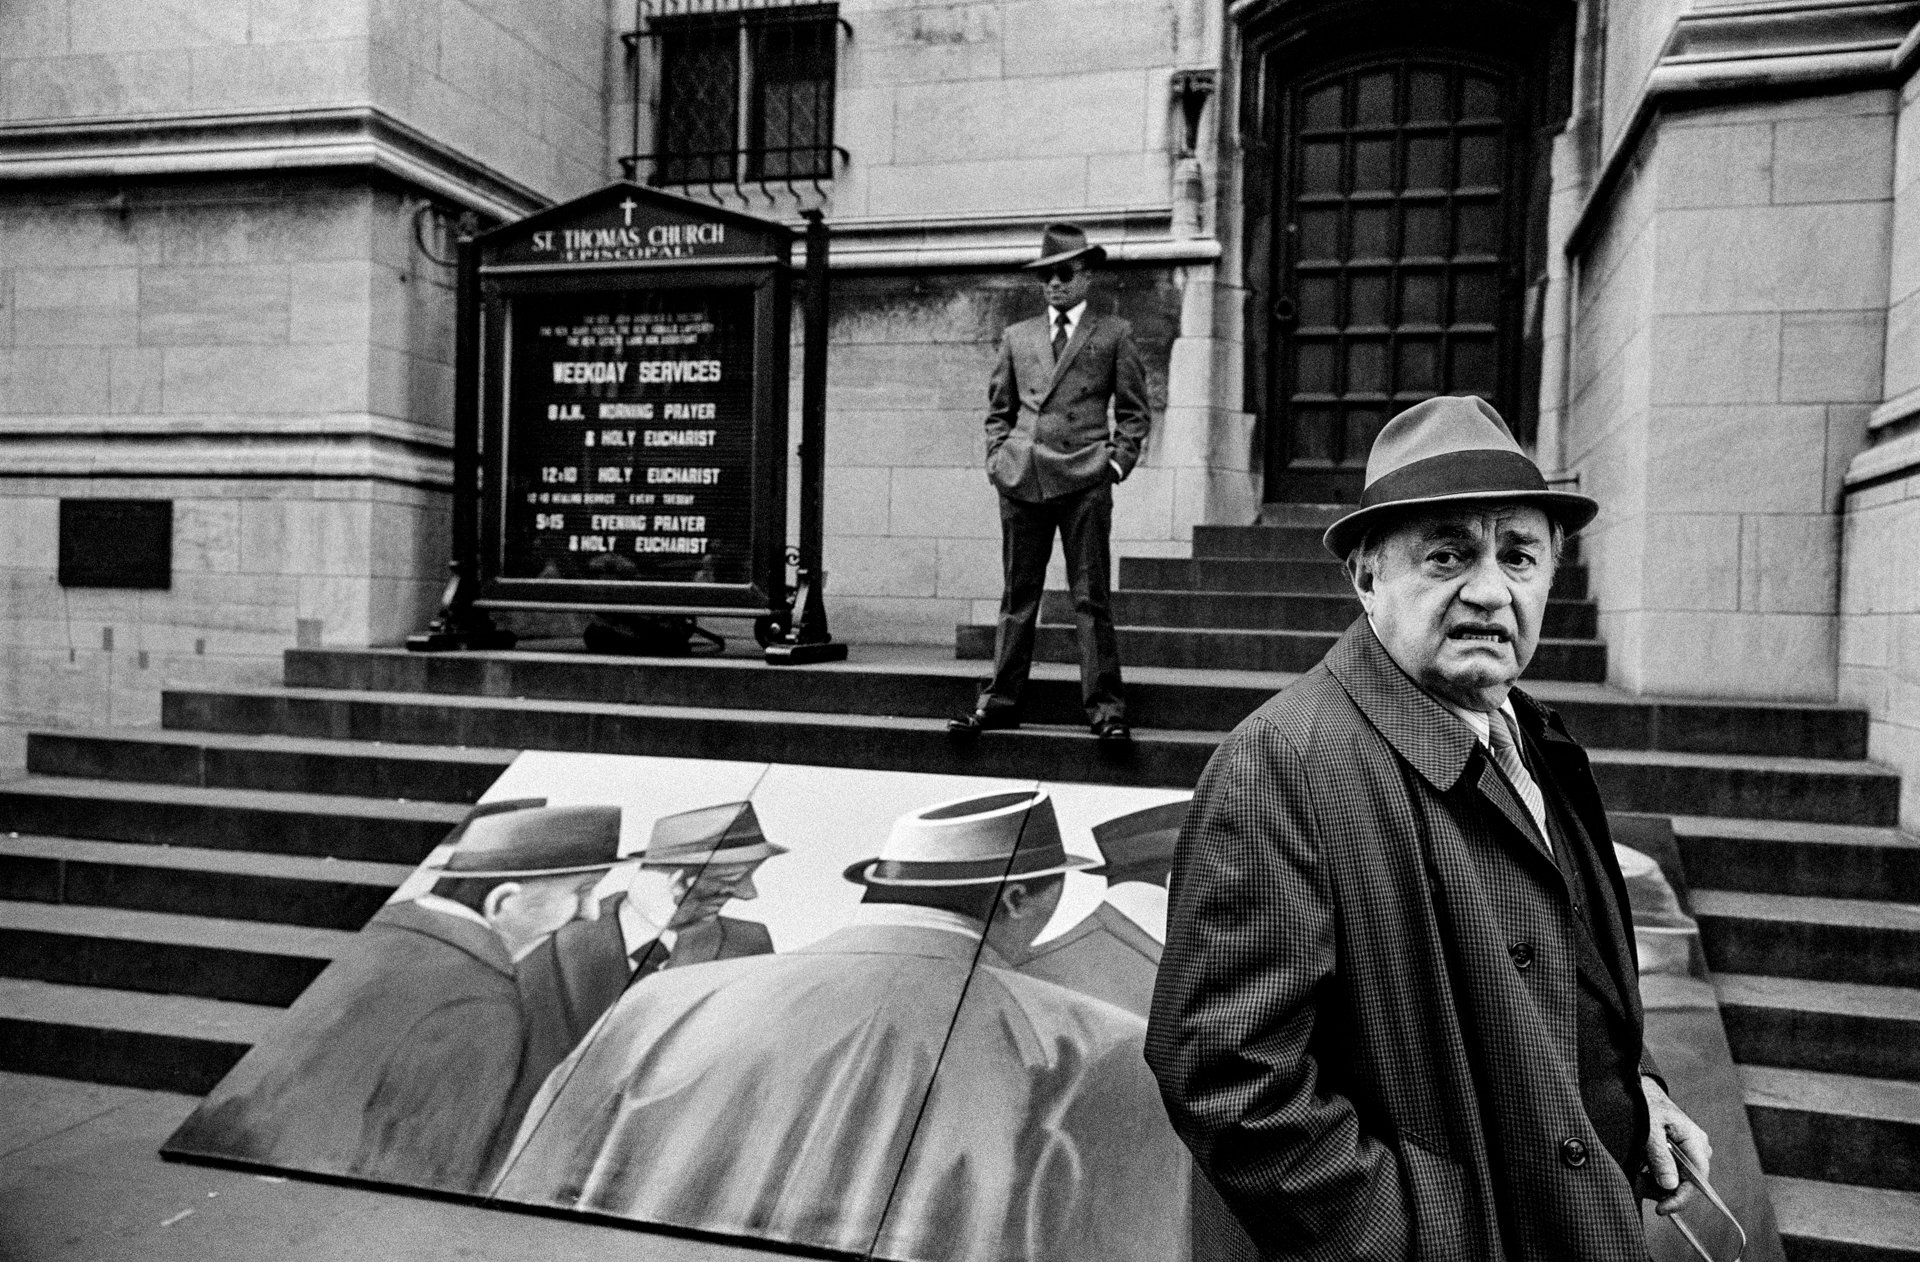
(1342,1028)
(793,1098)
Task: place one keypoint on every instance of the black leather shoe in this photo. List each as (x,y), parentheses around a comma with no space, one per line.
(1113,731)
(978,721)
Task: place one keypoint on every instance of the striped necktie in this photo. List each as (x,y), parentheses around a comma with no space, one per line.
(1059,334)
(1506,752)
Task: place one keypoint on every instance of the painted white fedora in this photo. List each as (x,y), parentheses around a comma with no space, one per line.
(1450,449)
(972,841)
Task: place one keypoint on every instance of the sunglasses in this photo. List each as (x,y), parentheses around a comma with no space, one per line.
(1064,273)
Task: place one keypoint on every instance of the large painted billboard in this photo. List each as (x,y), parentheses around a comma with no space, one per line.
(881,1014)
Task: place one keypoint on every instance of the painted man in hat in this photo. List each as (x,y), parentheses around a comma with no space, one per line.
(1054,454)
(695,863)
(1114,952)
(1398,1014)
(401,1062)
(794,1097)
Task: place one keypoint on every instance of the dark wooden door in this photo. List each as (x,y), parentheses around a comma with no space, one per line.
(1398,210)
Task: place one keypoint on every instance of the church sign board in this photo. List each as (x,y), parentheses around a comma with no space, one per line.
(634,407)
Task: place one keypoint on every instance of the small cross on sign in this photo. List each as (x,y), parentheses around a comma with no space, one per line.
(626,209)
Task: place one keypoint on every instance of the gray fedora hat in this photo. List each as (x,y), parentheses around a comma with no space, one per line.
(728,833)
(972,841)
(1063,243)
(1453,448)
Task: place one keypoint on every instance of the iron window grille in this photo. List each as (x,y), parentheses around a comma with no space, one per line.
(743,91)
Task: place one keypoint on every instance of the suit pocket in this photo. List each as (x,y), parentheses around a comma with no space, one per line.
(1008,463)
(1437,1190)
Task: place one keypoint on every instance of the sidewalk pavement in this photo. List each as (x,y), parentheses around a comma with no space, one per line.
(80,1178)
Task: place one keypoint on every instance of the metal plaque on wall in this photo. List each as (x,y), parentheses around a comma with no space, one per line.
(116,543)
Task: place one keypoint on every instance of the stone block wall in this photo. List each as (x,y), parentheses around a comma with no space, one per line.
(976,108)
(1880,577)
(1880,629)
(1728,335)
(274,357)
(518,86)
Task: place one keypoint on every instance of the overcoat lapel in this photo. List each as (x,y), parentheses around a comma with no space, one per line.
(1081,332)
(1569,766)
(1431,740)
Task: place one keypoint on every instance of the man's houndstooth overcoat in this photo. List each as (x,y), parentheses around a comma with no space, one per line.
(1343,1029)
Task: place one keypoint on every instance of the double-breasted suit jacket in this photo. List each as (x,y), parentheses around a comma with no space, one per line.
(1048,432)
(1365,1020)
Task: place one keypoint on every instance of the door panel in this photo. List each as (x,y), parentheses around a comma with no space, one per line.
(1399,200)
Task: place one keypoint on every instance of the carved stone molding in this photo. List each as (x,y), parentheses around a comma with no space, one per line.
(329,447)
(1759,48)
(273,140)
(1736,44)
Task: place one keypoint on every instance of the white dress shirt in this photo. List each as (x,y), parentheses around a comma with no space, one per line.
(637,931)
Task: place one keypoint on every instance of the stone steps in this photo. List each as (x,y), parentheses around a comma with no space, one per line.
(1823,860)
(165,953)
(918,688)
(1270,650)
(328,825)
(1292,611)
(1813,939)
(1835,1128)
(1321,575)
(1833,1027)
(193,860)
(125,1037)
(1831,1222)
(1632,780)
(320,893)
(272,762)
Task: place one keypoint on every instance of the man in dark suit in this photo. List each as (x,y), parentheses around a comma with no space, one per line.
(401,1062)
(1054,454)
(695,863)
(1398,1014)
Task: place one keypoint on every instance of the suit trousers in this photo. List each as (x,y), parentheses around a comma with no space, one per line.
(1083,520)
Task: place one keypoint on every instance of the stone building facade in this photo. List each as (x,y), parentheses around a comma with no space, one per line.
(1678,245)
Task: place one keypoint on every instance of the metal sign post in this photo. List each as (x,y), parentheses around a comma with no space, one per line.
(458,625)
(807,638)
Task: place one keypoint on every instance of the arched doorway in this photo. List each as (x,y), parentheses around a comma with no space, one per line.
(1394,227)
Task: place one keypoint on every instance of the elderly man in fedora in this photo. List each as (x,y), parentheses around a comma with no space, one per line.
(1398,1014)
(404,1061)
(1054,455)
(893,1088)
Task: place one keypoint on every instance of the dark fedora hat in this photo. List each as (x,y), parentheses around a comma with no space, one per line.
(1063,243)
(1450,449)
(1143,837)
(972,841)
(484,809)
(538,841)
